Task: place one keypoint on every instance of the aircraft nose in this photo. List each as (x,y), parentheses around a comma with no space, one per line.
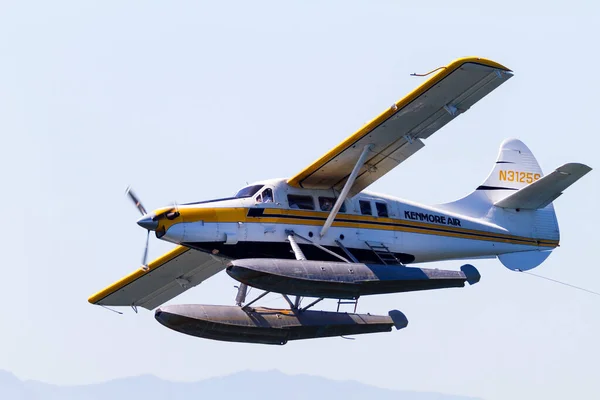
(146,222)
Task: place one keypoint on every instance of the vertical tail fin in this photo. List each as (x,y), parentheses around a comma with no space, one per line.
(515,168)
(517,197)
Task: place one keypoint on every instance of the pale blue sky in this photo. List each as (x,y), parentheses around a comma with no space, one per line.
(186,100)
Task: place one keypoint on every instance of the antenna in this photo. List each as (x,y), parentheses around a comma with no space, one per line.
(554,280)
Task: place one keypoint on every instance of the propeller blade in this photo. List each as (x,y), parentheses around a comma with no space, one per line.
(135,200)
(145,257)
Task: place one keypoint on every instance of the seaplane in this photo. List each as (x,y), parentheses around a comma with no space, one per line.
(320,235)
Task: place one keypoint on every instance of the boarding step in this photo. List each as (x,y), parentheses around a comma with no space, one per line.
(383,253)
(341,302)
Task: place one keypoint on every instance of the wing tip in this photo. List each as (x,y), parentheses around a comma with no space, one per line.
(478,60)
(95,298)
(575,167)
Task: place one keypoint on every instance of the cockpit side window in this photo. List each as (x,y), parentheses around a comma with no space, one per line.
(382,209)
(326,204)
(301,202)
(248,191)
(265,197)
(365,207)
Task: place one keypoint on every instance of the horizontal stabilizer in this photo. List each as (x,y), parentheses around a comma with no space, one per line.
(545,190)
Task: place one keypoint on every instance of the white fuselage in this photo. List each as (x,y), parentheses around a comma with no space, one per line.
(253,227)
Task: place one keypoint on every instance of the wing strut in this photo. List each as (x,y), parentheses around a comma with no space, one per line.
(346,189)
(297,251)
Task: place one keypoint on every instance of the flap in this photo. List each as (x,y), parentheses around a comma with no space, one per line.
(545,190)
(396,133)
(167,277)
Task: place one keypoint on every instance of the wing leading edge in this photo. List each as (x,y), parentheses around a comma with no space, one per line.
(397,132)
(167,277)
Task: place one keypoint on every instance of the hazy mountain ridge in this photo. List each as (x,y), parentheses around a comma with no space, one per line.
(247,385)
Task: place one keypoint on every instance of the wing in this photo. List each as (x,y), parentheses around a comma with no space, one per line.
(396,133)
(167,277)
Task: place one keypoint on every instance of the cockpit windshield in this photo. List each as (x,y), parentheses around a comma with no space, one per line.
(248,191)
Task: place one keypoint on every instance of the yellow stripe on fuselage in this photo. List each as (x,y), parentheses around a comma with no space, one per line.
(401,225)
(304,217)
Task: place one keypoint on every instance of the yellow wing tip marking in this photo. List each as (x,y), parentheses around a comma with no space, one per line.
(295,181)
(162,260)
(477,60)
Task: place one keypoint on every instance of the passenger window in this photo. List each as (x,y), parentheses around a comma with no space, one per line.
(365,207)
(301,202)
(382,210)
(265,197)
(326,204)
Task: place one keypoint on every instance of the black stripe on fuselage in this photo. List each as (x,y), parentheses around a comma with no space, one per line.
(400,225)
(256,212)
